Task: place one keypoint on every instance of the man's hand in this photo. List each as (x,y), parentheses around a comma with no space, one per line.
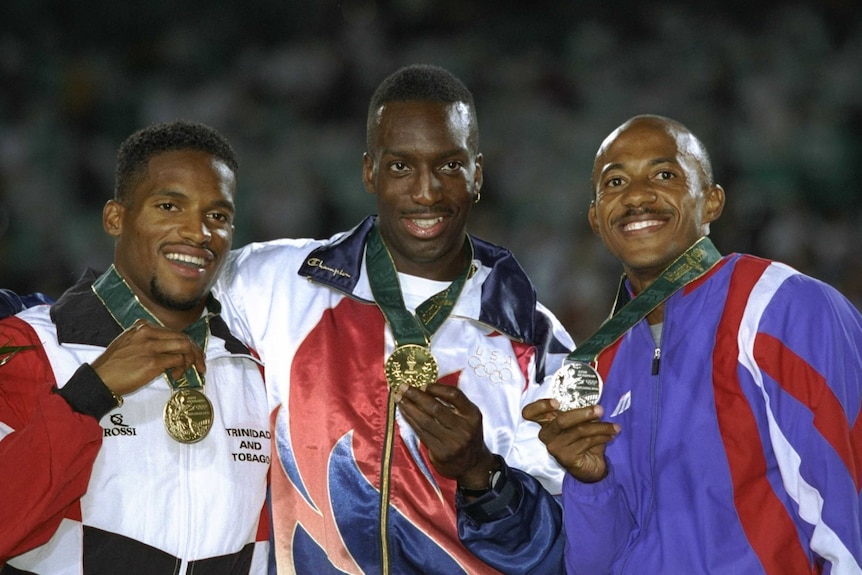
(141,353)
(450,425)
(576,438)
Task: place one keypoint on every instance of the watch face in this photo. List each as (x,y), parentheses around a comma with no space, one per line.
(494,478)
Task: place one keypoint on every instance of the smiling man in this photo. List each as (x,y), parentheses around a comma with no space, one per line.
(730,435)
(399,355)
(126,407)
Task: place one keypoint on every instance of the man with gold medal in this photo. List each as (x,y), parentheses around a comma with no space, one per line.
(726,437)
(128,407)
(398,357)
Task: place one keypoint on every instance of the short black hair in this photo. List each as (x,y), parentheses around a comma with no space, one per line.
(420,83)
(135,152)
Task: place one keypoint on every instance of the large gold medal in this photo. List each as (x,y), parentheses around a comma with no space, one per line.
(188,415)
(411,364)
(576,385)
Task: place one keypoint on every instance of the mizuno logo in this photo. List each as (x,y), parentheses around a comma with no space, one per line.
(623,404)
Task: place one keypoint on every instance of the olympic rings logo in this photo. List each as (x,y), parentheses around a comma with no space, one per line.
(495,367)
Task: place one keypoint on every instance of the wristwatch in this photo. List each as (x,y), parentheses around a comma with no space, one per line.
(493,478)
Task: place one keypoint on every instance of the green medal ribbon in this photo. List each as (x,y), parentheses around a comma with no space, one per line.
(125,307)
(692,264)
(411,363)
(430,314)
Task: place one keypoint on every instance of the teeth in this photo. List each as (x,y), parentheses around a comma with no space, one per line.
(428,223)
(186,259)
(641,225)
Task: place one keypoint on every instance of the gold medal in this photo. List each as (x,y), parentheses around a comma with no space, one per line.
(411,364)
(576,385)
(188,415)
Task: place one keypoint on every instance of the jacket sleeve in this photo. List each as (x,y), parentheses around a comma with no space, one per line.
(596,513)
(809,369)
(516,527)
(47,449)
(519,529)
(11,303)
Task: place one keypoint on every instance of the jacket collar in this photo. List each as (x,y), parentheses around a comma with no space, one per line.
(508,299)
(81,318)
(626,293)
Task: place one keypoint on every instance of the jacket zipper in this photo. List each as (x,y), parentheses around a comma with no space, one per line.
(385,486)
(656,361)
(656,358)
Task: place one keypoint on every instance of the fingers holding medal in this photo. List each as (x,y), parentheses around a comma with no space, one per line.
(576,385)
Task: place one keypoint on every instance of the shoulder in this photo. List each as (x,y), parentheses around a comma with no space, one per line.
(24,337)
(29,320)
(284,249)
(787,287)
(277,254)
(10,303)
(788,303)
(509,301)
(266,261)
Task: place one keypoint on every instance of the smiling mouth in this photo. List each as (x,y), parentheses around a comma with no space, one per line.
(635,226)
(426,223)
(187,260)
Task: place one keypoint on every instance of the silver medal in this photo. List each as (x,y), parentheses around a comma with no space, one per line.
(576,385)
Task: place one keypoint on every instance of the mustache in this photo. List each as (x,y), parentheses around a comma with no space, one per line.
(636,212)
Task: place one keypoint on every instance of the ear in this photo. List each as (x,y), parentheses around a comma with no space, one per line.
(478,175)
(368,173)
(713,204)
(591,216)
(112,218)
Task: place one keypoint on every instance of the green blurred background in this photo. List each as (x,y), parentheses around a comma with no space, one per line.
(773,89)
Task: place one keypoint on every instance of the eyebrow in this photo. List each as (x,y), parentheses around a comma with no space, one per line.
(182,195)
(442,155)
(224,204)
(658,161)
(609,167)
(653,162)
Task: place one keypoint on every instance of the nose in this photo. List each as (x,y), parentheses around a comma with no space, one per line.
(428,189)
(639,192)
(195,229)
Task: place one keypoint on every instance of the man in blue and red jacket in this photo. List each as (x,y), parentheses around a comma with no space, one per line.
(728,438)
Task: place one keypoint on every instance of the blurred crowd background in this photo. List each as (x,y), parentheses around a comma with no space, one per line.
(773,89)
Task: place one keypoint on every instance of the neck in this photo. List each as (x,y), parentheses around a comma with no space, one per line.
(178,321)
(639,283)
(640,280)
(127,304)
(436,271)
(171,318)
(446,268)
(656,315)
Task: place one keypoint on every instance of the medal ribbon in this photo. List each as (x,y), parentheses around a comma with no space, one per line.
(406,329)
(125,307)
(430,314)
(692,264)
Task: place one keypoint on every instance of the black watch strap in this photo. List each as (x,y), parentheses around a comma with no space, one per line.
(501,500)
(493,476)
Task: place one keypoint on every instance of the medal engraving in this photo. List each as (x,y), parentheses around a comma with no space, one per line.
(188,415)
(411,364)
(576,385)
